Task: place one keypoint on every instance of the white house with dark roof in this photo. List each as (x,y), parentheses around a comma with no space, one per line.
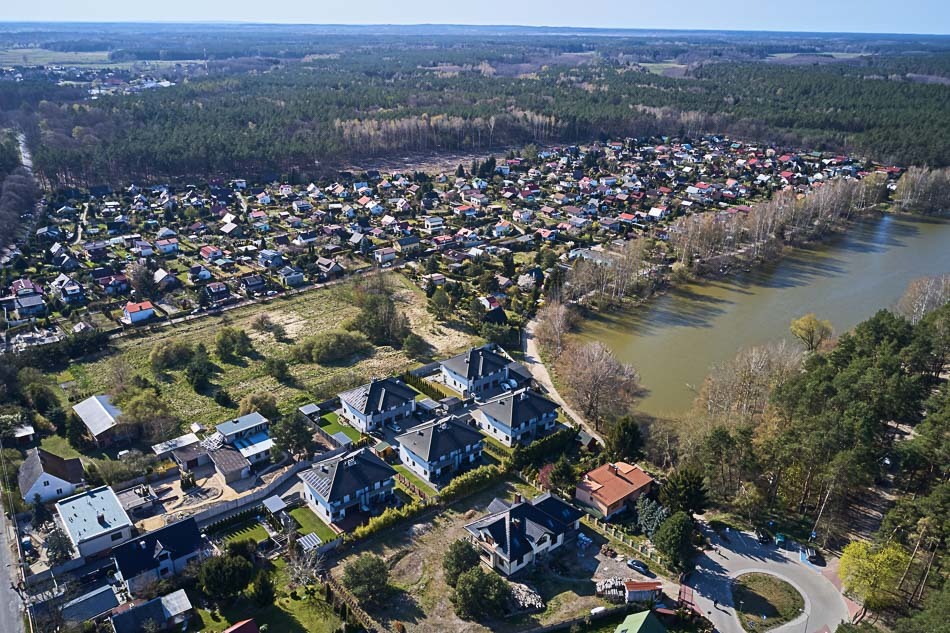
(515,535)
(94,521)
(438,450)
(49,476)
(517,417)
(379,402)
(158,555)
(475,371)
(358,481)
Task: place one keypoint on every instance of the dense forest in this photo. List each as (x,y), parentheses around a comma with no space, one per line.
(17,188)
(270,104)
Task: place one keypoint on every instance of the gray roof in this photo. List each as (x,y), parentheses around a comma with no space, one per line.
(378,396)
(159,610)
(90,605)
(343,475)
(98,414)
(309,541)
(228,459)
(274,504)
(309,409)
(432,440)
(518,407)
(514,527)
(92,513)
(39,461)
(242,423)
(476,363)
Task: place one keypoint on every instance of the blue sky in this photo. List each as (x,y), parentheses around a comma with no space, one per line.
(887,16)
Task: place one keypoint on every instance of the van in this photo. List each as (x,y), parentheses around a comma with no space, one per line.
(597,610)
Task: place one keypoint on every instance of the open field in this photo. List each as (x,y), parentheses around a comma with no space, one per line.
(43,57)
(758,595)
(301,315)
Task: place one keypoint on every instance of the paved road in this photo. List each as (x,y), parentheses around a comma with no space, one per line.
(824,605)
(11,607)
(532,360)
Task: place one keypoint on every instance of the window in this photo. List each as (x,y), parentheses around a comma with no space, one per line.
(117,536)
(59,491)
(45,483)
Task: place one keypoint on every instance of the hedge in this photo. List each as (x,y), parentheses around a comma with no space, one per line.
(544,450)
(389,518)
(470,482)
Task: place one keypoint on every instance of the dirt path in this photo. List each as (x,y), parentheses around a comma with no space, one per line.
(532,360)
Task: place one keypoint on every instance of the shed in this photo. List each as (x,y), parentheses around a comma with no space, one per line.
(274,504)
(342,439)
(310,541)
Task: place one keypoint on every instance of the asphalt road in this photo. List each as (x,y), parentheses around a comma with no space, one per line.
(824,606)
(11,607)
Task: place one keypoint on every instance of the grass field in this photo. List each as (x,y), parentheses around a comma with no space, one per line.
(301,315)
(419,482)
(310,522)
(758,595)
(331,424)
(249,530)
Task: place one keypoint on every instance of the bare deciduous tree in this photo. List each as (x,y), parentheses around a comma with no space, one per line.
(603,386)
(555,320)
(924,295)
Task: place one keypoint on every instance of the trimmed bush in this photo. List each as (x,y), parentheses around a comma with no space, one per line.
(470,482)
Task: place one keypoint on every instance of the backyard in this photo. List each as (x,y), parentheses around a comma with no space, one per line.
(330,423)
(309,522)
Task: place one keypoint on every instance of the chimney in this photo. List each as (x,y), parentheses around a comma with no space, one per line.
(101,518)
(142,544)
(518,499)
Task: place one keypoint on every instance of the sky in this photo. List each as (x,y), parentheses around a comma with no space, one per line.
(864,16)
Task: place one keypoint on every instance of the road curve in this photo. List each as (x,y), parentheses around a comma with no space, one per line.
(824,605)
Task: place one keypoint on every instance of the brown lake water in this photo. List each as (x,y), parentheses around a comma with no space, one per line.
(674,339)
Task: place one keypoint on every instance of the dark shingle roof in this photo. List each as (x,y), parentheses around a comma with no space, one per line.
(39,461)
(378,396)
(141,554)
(476,363)
(515,527)
(159,610)
(90,605)
(515,408)
(432,440)
(344,474)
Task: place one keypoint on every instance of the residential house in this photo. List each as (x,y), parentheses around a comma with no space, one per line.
(642,622)
(101,418)
(409,245)
(158,555)
(49,476)
(291,276)
(518,534)
(93,606)
(70,291)
(138,312)
(517,417)
(350,483)
(476,371)
(269,258)
(438,450)
(167,246)
(167,612)
(164,280)
(252,284)
(199,273)
(217,291)
(613,488)
(433,223)
(384,255)
(210,253)
(377,403)
(329,268)
(94,521)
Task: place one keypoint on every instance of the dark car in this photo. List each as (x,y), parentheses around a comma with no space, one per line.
(813,556)
(637,565)
(763,537)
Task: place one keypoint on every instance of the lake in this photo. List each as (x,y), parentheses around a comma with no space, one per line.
(675,338)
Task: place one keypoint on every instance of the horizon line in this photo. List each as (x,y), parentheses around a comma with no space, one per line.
(239,22)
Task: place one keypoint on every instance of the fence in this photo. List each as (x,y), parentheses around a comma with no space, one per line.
(585,620)
(618,534)
(224,510)
(368,623)
(414,489)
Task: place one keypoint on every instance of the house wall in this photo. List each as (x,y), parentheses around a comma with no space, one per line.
(104,542)
(165,569)
(471,387)
(334,512)
(368,423)
(49,488)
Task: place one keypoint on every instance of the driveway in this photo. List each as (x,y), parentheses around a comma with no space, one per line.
(824,605)
(11,606)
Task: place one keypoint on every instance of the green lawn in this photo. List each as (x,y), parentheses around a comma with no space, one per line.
(287,615)
(248,530)
(419,482)
(331,424)
(59,446)
(310,522)
(757,595)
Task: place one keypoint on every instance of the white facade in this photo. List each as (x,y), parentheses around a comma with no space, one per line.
(49,488)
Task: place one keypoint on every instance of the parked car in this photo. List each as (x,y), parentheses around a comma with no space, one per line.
(763,537)
(395,427)
(637,565)
(812,555)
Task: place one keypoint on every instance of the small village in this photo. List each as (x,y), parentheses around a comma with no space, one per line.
(451,453)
